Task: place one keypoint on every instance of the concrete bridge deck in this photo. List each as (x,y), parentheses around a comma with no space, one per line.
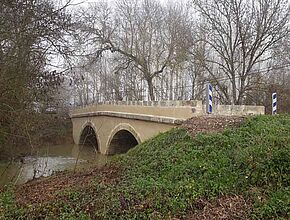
(115,127)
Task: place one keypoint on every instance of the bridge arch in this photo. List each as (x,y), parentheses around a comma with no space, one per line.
(89,136)
(122,138)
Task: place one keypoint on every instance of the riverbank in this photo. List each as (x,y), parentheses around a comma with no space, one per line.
(242,173)
(50,160)
(43,130)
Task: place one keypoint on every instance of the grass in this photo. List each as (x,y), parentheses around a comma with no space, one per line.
(165,176)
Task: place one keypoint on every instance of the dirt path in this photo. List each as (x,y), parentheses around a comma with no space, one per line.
(211,124)
(234,207)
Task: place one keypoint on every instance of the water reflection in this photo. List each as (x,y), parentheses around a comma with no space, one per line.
(49,160)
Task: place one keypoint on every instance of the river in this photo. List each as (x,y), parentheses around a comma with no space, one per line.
(49,160)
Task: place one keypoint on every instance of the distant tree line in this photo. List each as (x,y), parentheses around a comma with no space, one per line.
(148,50)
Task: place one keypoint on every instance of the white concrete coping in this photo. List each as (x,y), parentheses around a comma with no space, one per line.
(142,117)
(173,103)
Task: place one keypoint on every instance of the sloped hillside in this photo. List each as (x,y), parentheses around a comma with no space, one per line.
(242,173)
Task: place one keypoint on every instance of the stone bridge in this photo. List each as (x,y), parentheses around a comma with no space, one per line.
(115,127)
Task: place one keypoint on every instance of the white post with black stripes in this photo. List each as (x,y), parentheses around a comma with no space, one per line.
(274,103)
(209,99)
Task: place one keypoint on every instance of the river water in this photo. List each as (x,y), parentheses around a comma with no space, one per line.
(49,160)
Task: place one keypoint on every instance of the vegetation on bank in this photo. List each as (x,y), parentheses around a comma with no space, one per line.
(29,90)
(174,175)
(35,131)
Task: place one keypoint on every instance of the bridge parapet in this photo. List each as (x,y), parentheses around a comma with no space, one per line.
(174,109)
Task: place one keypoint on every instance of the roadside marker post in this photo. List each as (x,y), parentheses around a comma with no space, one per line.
(274,103)
(209,98)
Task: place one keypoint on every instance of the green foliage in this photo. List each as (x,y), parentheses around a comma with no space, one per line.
(277,206)
(8,207)
(172,170)
(164,176)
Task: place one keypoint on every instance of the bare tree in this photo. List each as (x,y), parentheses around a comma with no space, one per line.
(240,37)
(143,33)
(30,31)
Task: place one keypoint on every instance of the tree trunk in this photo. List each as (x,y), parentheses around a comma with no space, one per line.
(151,89)
(234,94)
